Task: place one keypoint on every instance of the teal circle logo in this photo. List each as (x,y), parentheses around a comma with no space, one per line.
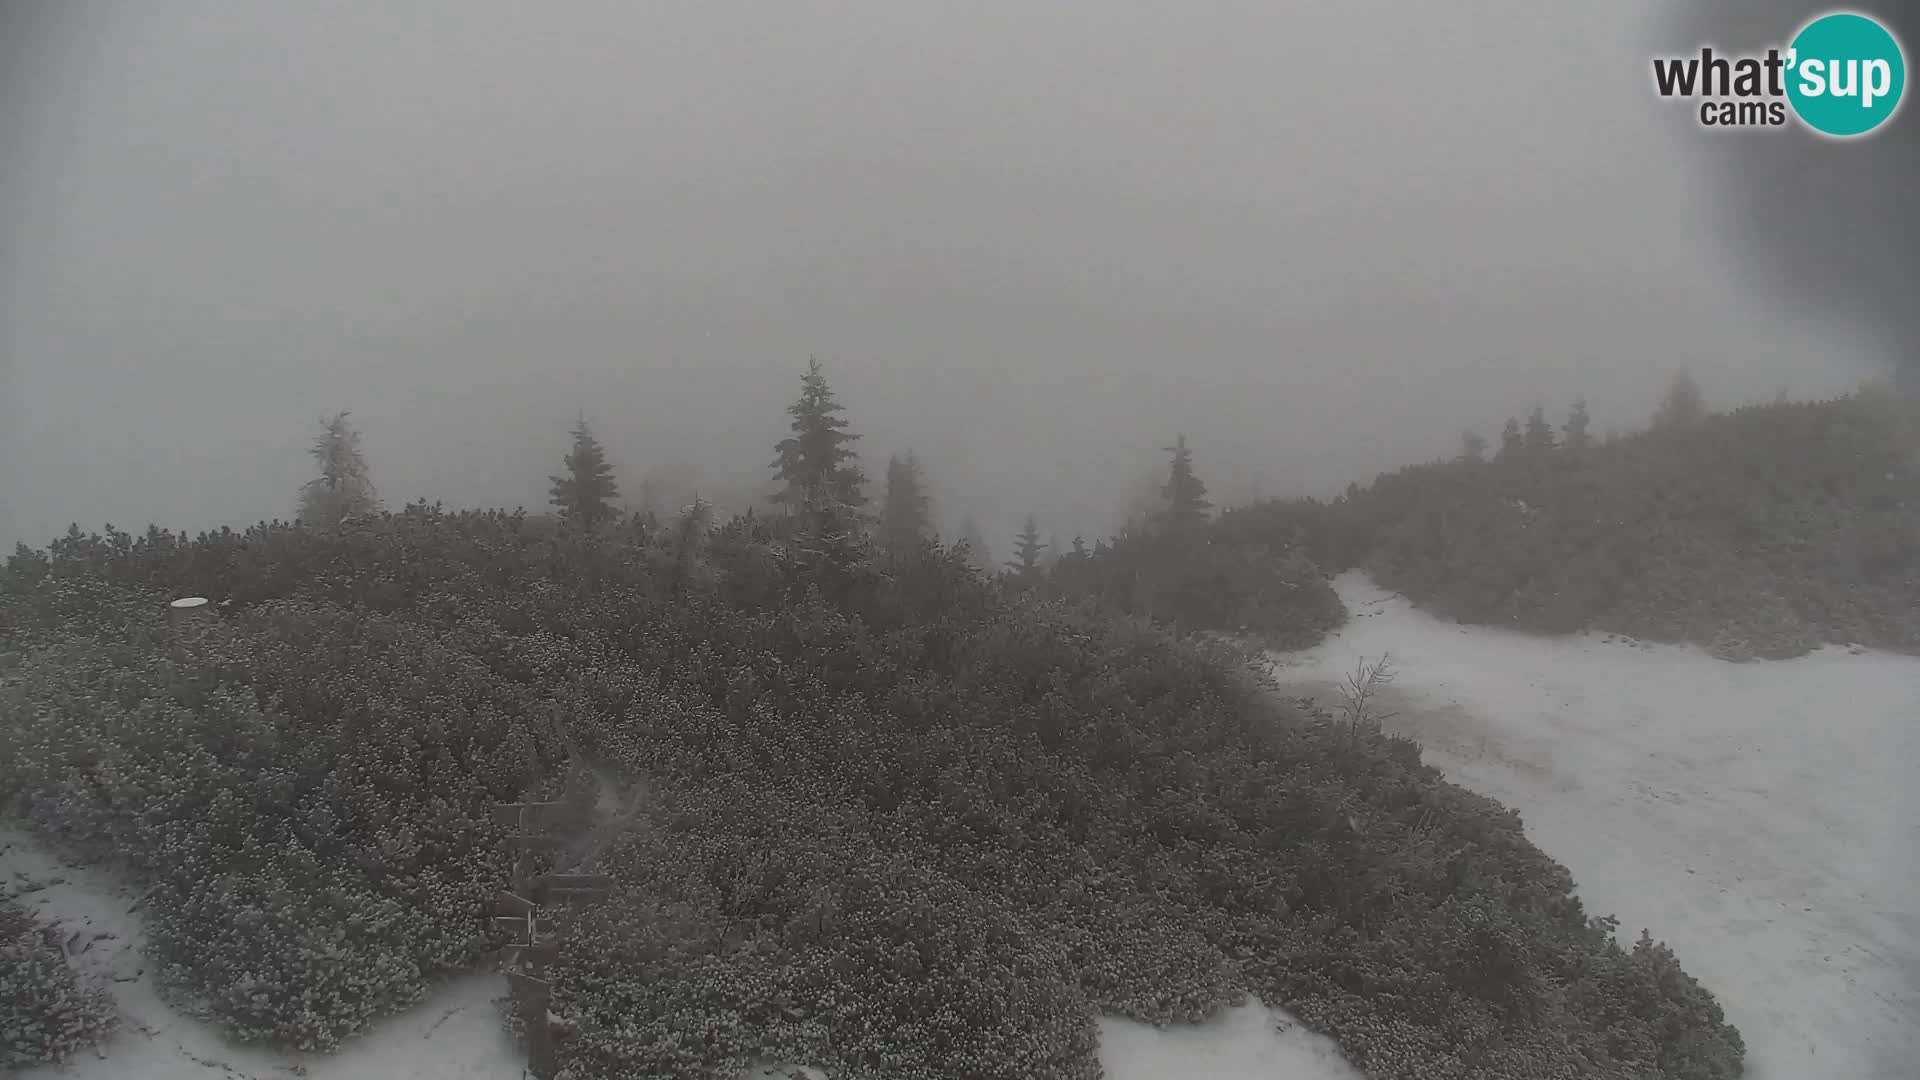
(1846,74)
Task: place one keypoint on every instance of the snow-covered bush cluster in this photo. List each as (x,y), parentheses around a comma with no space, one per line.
(47,1009)
(1759,533)
(1265,590)
(897,823)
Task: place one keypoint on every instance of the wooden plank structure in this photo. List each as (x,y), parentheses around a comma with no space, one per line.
(528,820)
(534,997)
(516,911)
(575,890)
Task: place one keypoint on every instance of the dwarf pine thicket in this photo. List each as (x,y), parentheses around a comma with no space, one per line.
(901,817)
(47,1011)
(1174,568)
(1762,532)
(1758,533)
(900,822)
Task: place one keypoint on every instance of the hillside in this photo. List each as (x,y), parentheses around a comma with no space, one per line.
(889,820)
(1762,532)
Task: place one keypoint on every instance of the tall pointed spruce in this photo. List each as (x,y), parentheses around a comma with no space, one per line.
(974,545)
(1510,440)
(1538,436)
(342,490)
(1577,435)
(688,543)
(1683,405)
(905,514)
(584,494)
(1027,549)
(817,467)
(1473,446)
(1186,497)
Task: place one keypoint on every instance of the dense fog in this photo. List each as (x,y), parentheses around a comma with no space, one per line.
(1032,245)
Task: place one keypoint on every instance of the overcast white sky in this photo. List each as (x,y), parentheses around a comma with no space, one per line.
(1032,241)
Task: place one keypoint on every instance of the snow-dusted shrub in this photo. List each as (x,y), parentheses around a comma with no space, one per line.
(305,789)
(897,824)
(1267,592)
(47,1010)
(1758,533)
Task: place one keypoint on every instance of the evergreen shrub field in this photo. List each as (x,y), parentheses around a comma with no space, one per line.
(893,821)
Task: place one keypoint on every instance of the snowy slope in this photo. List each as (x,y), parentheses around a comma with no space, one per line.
(1763,818)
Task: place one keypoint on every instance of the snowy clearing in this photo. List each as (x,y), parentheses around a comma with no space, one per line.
(1762,818)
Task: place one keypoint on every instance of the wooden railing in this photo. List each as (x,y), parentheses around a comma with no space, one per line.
(517,912)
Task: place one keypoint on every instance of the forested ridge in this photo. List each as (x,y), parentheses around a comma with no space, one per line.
(1760,532)
(887,816)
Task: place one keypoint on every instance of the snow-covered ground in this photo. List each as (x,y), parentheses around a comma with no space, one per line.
(1763,819)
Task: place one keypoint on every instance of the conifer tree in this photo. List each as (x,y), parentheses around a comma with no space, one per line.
(1683,404)
(1538,436)
(342,490)
(1578,437)
(1473,446)
(905,517)
(1510,440)
(816,464)
(974,545)
(687,544)
(1027,548)
(1185,496)
(1079,546)
(584,494)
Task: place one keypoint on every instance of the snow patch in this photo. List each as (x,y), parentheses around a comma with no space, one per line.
(1762,818)
(1248,1043)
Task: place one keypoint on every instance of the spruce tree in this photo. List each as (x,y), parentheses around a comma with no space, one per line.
(687,544)
(1027,548)
(1510,440)
(1079,546)
(905,517)
(584,494)
(1473,446)
(342,490)
(1683,404)
(1578,437)
(1538,436)
(816,464)
(1185,496)
(974,545)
